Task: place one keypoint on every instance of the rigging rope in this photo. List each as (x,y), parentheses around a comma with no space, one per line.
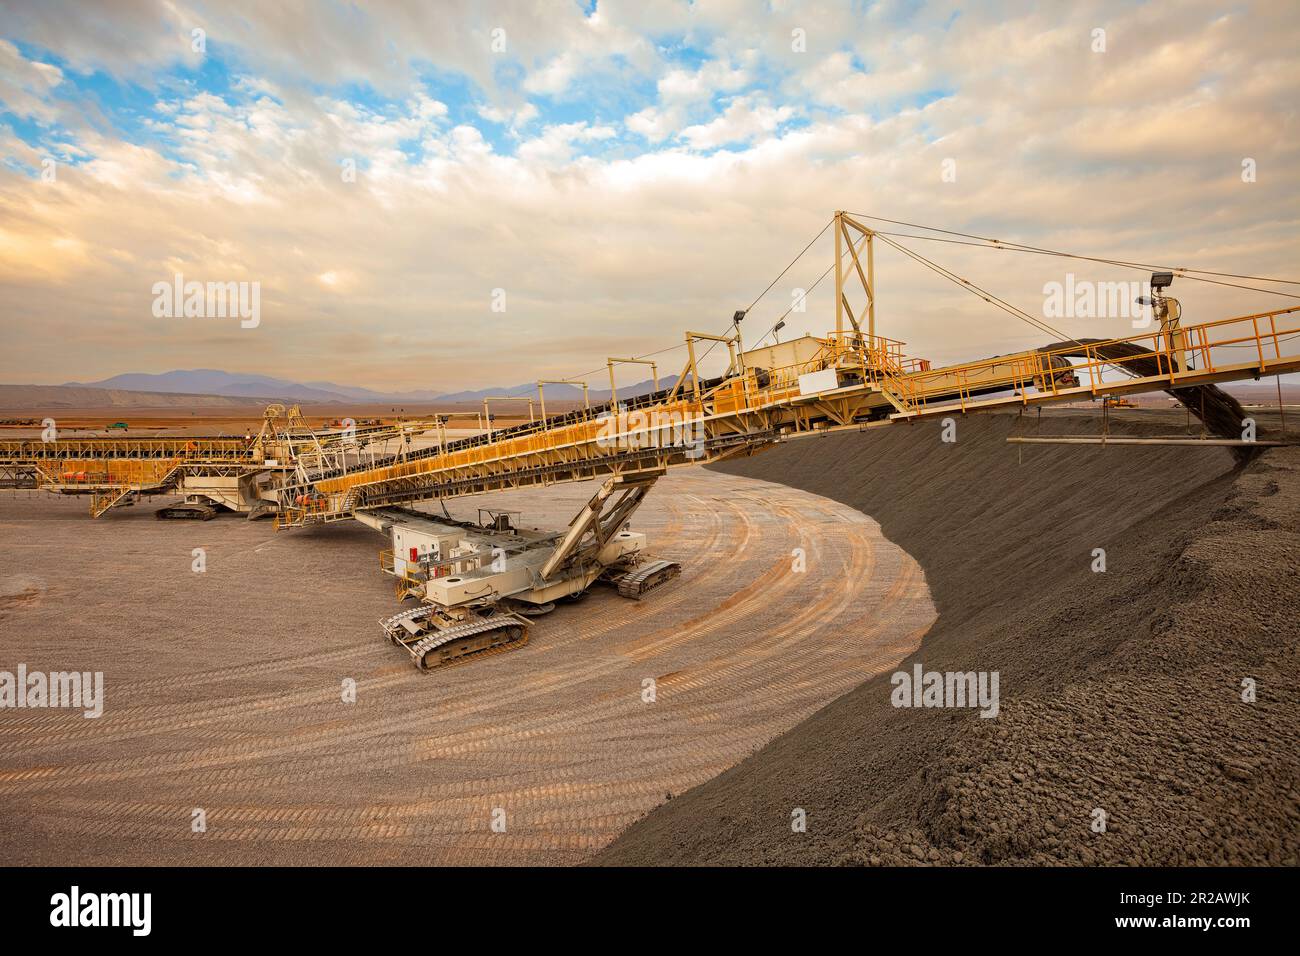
(986,243)
(713,345)
(982,242)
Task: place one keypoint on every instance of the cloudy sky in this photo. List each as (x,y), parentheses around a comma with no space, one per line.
(622,170)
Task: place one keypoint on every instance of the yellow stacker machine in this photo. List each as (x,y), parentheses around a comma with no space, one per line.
(479,584)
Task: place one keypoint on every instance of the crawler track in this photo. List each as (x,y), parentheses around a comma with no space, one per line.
(647,577)
(457,645)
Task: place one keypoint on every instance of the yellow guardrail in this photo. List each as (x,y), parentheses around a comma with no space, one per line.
(911,383)
(91,472)
(1255,341)
(125,448)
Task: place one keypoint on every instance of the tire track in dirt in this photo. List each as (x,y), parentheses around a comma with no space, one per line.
(142,720)
(556,733)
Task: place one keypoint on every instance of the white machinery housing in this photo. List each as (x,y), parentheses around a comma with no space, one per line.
(478,583)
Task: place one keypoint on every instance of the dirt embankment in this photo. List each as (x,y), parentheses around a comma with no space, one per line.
(1121,692)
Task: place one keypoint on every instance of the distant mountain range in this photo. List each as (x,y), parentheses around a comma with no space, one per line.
(208,381)
(211,388)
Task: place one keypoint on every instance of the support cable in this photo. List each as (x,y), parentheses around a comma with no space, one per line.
(1183,271)
(713,345)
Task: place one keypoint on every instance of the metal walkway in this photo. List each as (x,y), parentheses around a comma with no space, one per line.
(863,378)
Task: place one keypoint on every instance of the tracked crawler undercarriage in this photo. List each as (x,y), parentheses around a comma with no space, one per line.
(190,509)
(479,583)
(434,640)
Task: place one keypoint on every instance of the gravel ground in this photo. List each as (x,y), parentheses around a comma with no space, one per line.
(1121,692)
(223,688)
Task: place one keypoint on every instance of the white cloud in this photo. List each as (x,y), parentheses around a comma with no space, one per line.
(555,145)
(605,249)
(26,85)
(715,76)
(743,120)
(514,119)
(654,124)
(683,92)
(555,76)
